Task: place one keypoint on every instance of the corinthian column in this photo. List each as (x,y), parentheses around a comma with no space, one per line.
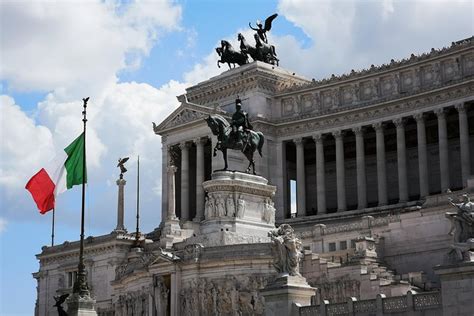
(401,160)
(360,162)
(340,172)
(199,178)
(381,167)
(300,178)
(320,174)
(184,181)
(464,143)
(422,158)
(171,214)
(443,150)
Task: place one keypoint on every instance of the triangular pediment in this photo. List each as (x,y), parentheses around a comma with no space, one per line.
(186,113)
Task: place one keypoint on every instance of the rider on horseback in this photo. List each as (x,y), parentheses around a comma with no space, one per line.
(240,125)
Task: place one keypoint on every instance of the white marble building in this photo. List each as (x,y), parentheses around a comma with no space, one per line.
(374,154)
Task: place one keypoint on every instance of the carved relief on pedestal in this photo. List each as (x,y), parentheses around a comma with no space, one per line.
(229,295)
(240,208)
(230,206)
(268,214)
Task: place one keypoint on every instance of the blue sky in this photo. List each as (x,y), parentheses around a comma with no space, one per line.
(132,59)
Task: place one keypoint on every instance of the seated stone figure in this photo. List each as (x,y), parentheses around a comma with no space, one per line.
(286,250)
(462,228)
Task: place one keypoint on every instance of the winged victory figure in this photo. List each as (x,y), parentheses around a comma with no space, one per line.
(261,30)
(121,165)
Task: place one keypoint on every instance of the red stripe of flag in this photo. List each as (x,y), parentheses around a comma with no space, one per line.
(41,188)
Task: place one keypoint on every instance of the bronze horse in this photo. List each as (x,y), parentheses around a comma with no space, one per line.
(221,128)
(229,55)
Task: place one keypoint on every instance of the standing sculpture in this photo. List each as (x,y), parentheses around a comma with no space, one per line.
(462,229)
(237,136)
(121,165)
(59,302)
(262,51)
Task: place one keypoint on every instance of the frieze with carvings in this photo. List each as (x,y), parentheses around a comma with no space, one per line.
(223,296)
(413,59)
(127,268)
(390,109)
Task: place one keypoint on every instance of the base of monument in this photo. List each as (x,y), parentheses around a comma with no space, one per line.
(80,305)
(457,288)
(285,291)
(171,233)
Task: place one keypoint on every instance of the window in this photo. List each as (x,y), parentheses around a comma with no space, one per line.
(71,278)
(332,246)
(343,245)
(353,243)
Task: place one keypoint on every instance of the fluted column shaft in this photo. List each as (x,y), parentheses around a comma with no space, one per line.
(443,150)
(199,179)
(340,172)
(360,162)
(300,178)
(422,155)
(464,144)
(320,174)
(184,181)
(401,160)
(381,165)
(171,214)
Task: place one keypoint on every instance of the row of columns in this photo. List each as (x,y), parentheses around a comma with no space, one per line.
(381,162)
(185,180)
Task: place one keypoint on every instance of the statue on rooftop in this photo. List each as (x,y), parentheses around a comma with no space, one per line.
(462,228)
(262,30)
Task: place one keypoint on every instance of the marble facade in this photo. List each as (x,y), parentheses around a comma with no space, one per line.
(375,154)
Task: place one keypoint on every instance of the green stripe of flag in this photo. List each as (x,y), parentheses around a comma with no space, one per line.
(75,162)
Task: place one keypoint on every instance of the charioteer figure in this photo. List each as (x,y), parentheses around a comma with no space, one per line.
(240,124)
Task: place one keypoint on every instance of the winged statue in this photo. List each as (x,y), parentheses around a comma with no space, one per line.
(121,165)
(262,30)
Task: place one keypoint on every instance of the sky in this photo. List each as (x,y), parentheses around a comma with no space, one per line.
(132,58)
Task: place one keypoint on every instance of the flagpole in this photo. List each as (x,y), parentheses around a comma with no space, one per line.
(80,285)
(138,204)
(52,230)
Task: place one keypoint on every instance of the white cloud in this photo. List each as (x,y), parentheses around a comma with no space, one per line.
(23,144)
(78,46)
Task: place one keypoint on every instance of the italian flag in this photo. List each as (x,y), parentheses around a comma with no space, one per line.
(61,174)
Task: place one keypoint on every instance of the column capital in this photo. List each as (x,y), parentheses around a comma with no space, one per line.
(378,126)
(439,112)
(298,141)
(399,122)
(172,169)
(184,145)
(358,130)
(338,134)
(319,137)
(200,140)
(419,117)
(460,107)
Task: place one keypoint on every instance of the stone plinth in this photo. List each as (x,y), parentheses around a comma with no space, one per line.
(285,291)
(238,203)
(457,288)
(171,233)
(80,306)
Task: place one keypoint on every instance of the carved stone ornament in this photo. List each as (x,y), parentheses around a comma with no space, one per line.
(286,249)
(462,229)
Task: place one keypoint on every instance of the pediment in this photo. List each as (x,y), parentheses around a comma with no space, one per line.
(185,114)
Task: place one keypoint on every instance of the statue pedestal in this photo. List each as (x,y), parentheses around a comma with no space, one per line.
(285,291)
(457,288)
(238,209)
(80,306)
(171,233)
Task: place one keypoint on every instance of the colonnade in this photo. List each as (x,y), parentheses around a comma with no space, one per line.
(381,161)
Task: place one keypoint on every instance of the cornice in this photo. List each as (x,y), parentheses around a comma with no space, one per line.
(433,55)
